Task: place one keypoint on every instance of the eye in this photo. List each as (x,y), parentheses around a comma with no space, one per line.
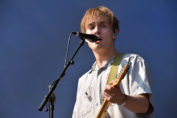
(104,25)
(91,27)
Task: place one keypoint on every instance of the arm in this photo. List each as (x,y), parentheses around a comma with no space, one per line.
(138,103)
(139,78)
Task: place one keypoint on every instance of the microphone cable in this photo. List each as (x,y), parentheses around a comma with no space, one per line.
(67,49)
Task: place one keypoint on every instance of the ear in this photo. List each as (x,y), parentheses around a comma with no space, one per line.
(115,33)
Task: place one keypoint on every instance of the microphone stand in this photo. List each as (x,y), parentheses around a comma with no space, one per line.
(50,97)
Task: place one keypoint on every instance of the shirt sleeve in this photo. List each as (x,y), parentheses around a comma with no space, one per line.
(139,76)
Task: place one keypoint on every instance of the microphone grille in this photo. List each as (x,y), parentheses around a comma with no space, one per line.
(74,33)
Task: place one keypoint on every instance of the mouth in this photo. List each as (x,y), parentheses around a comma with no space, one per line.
(97,42)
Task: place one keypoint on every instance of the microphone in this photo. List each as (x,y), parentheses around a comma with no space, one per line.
(90,37)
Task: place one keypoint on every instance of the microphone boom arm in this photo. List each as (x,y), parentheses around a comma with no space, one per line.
(55,83)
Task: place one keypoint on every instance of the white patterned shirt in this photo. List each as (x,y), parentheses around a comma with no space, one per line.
(91,86)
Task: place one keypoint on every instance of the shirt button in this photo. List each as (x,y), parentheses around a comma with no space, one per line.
(96,104)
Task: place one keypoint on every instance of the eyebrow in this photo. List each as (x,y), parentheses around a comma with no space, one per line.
(102,22)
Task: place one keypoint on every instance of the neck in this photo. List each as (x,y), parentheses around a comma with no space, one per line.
(103,57)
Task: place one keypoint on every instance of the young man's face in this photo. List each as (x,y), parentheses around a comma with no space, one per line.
(100,27)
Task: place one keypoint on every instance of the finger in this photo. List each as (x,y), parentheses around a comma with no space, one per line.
(107,88)
(112,82)
(107,97)
(110,90)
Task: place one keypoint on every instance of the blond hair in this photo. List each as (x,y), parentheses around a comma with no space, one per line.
(100,11)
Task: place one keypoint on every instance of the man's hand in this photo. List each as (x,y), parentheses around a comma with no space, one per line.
(113,93)
(138,103)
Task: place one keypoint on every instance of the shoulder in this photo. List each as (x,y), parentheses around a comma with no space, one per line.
(85,76)
(133,58)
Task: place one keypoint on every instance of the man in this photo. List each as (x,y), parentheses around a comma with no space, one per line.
(132,98)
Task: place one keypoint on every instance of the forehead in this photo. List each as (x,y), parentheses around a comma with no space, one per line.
(96,20)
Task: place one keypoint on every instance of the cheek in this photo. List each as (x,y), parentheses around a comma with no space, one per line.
(113,36)
(88,32)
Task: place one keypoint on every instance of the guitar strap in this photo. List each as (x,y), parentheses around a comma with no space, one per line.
(113,73)
(114,68)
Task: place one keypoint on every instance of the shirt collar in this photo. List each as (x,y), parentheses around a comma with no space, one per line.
(96,68)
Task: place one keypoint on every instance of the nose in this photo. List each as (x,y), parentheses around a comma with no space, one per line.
(97,30)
